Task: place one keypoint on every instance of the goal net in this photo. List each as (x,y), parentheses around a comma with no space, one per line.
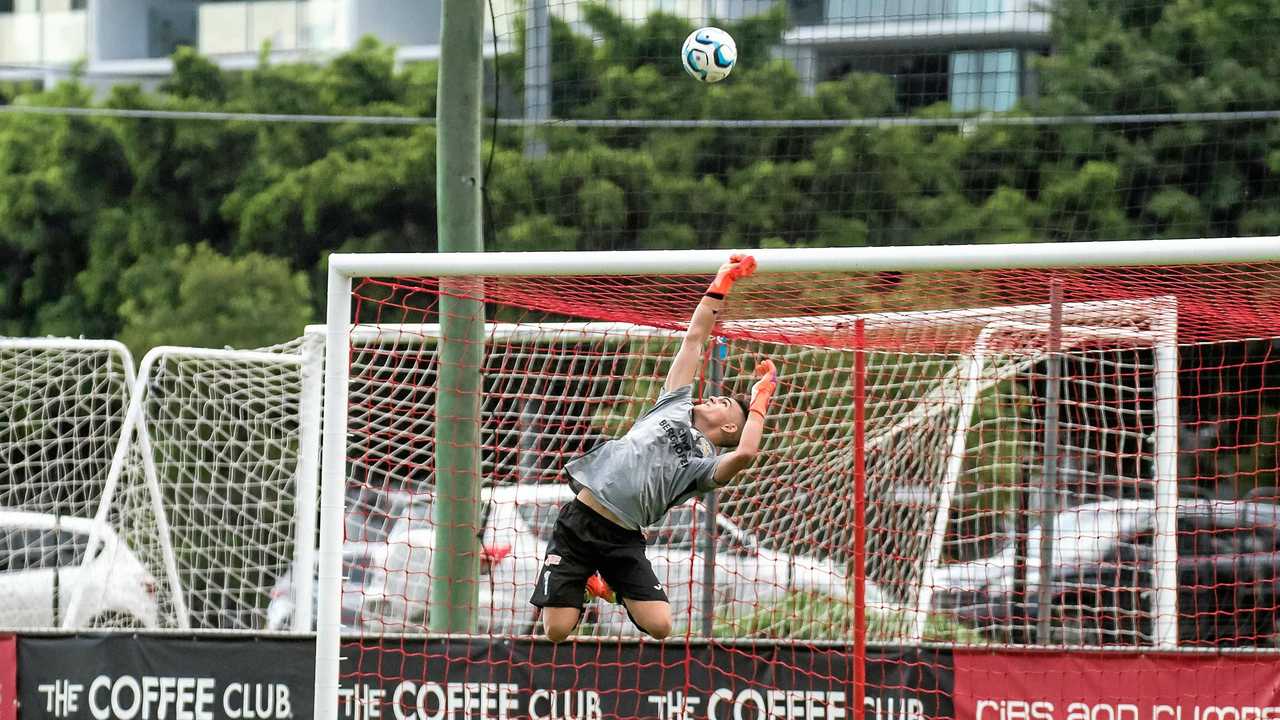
(62,410)
(63,403)
(183,497)
(940,442)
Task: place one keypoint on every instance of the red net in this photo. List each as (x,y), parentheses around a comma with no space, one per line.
(1079,459)
(1215,302)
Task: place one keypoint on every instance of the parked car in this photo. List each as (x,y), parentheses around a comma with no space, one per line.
(42,568)
(356,558)
(1101,586)
(370,517)
(517,525)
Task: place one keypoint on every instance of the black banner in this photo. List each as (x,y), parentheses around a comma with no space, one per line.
(456,679)
(153,678)
(159,678)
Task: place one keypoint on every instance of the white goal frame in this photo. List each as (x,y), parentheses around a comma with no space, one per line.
(344,267)
(135,430)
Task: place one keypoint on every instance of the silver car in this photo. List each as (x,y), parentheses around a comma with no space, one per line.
(370,517)
(518,522)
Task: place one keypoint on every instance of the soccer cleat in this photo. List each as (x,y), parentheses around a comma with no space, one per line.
(598,588)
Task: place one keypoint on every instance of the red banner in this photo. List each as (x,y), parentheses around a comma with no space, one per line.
(1105,686)
(8,677)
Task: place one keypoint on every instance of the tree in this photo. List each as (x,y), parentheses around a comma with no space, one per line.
(85,202)
(57,176)
(1177,179)
(201,298)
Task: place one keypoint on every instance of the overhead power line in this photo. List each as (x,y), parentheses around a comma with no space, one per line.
(962,122)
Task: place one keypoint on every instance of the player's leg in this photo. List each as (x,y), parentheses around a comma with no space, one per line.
(562,581)
(651,616)
(559,622)
(626,569)
(559,593)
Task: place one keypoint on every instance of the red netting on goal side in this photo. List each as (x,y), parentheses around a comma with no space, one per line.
(1165,383)
(1215,302)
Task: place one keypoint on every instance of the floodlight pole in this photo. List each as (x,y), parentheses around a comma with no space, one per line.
(455,562)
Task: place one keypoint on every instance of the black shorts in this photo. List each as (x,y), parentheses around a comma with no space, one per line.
(583,542)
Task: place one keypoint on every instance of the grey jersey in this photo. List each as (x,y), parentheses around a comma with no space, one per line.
(661,462)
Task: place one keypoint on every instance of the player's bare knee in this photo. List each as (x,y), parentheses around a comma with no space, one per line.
(658,628)
(558,627)
(557,632)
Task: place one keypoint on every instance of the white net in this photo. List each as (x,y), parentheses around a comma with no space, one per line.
(62,410)
(214,493)
(62,406)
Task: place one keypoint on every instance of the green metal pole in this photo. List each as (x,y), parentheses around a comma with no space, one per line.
(455,560)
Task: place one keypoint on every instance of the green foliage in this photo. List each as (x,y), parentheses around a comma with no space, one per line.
(199,297)
(803,615)
(85,202)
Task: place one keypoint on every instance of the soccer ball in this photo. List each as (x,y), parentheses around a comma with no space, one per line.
(709,54)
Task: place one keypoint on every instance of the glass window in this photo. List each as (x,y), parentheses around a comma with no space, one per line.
(865,11)
(372,514)
(734,539)
(977,7)
(67,548)
(984,80)
(23,549)
(10,544)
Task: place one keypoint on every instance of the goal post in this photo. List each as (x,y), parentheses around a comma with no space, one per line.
(212,483)
(951,346)
(180,495)
(1082,323)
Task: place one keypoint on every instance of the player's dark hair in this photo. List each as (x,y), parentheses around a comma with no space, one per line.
(745,404)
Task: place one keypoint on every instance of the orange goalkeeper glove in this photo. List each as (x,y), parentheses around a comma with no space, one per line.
(762,391)
(598,588)
(738,267)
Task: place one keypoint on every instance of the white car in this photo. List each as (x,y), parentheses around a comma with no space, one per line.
(370,517)
(518,521)
(1081,535)
(40,552)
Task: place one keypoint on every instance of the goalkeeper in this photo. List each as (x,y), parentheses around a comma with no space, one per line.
(629,483)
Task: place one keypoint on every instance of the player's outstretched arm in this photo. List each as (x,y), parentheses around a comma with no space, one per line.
(741,457)
(689,356)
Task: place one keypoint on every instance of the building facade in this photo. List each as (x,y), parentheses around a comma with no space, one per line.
(972,53)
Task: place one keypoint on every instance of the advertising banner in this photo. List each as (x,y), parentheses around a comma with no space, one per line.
(148,678)
(1115,686)
(451,680)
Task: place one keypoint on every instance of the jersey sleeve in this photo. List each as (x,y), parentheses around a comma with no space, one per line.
(684,392)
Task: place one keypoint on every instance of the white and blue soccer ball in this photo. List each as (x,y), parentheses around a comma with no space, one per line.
(709,54)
